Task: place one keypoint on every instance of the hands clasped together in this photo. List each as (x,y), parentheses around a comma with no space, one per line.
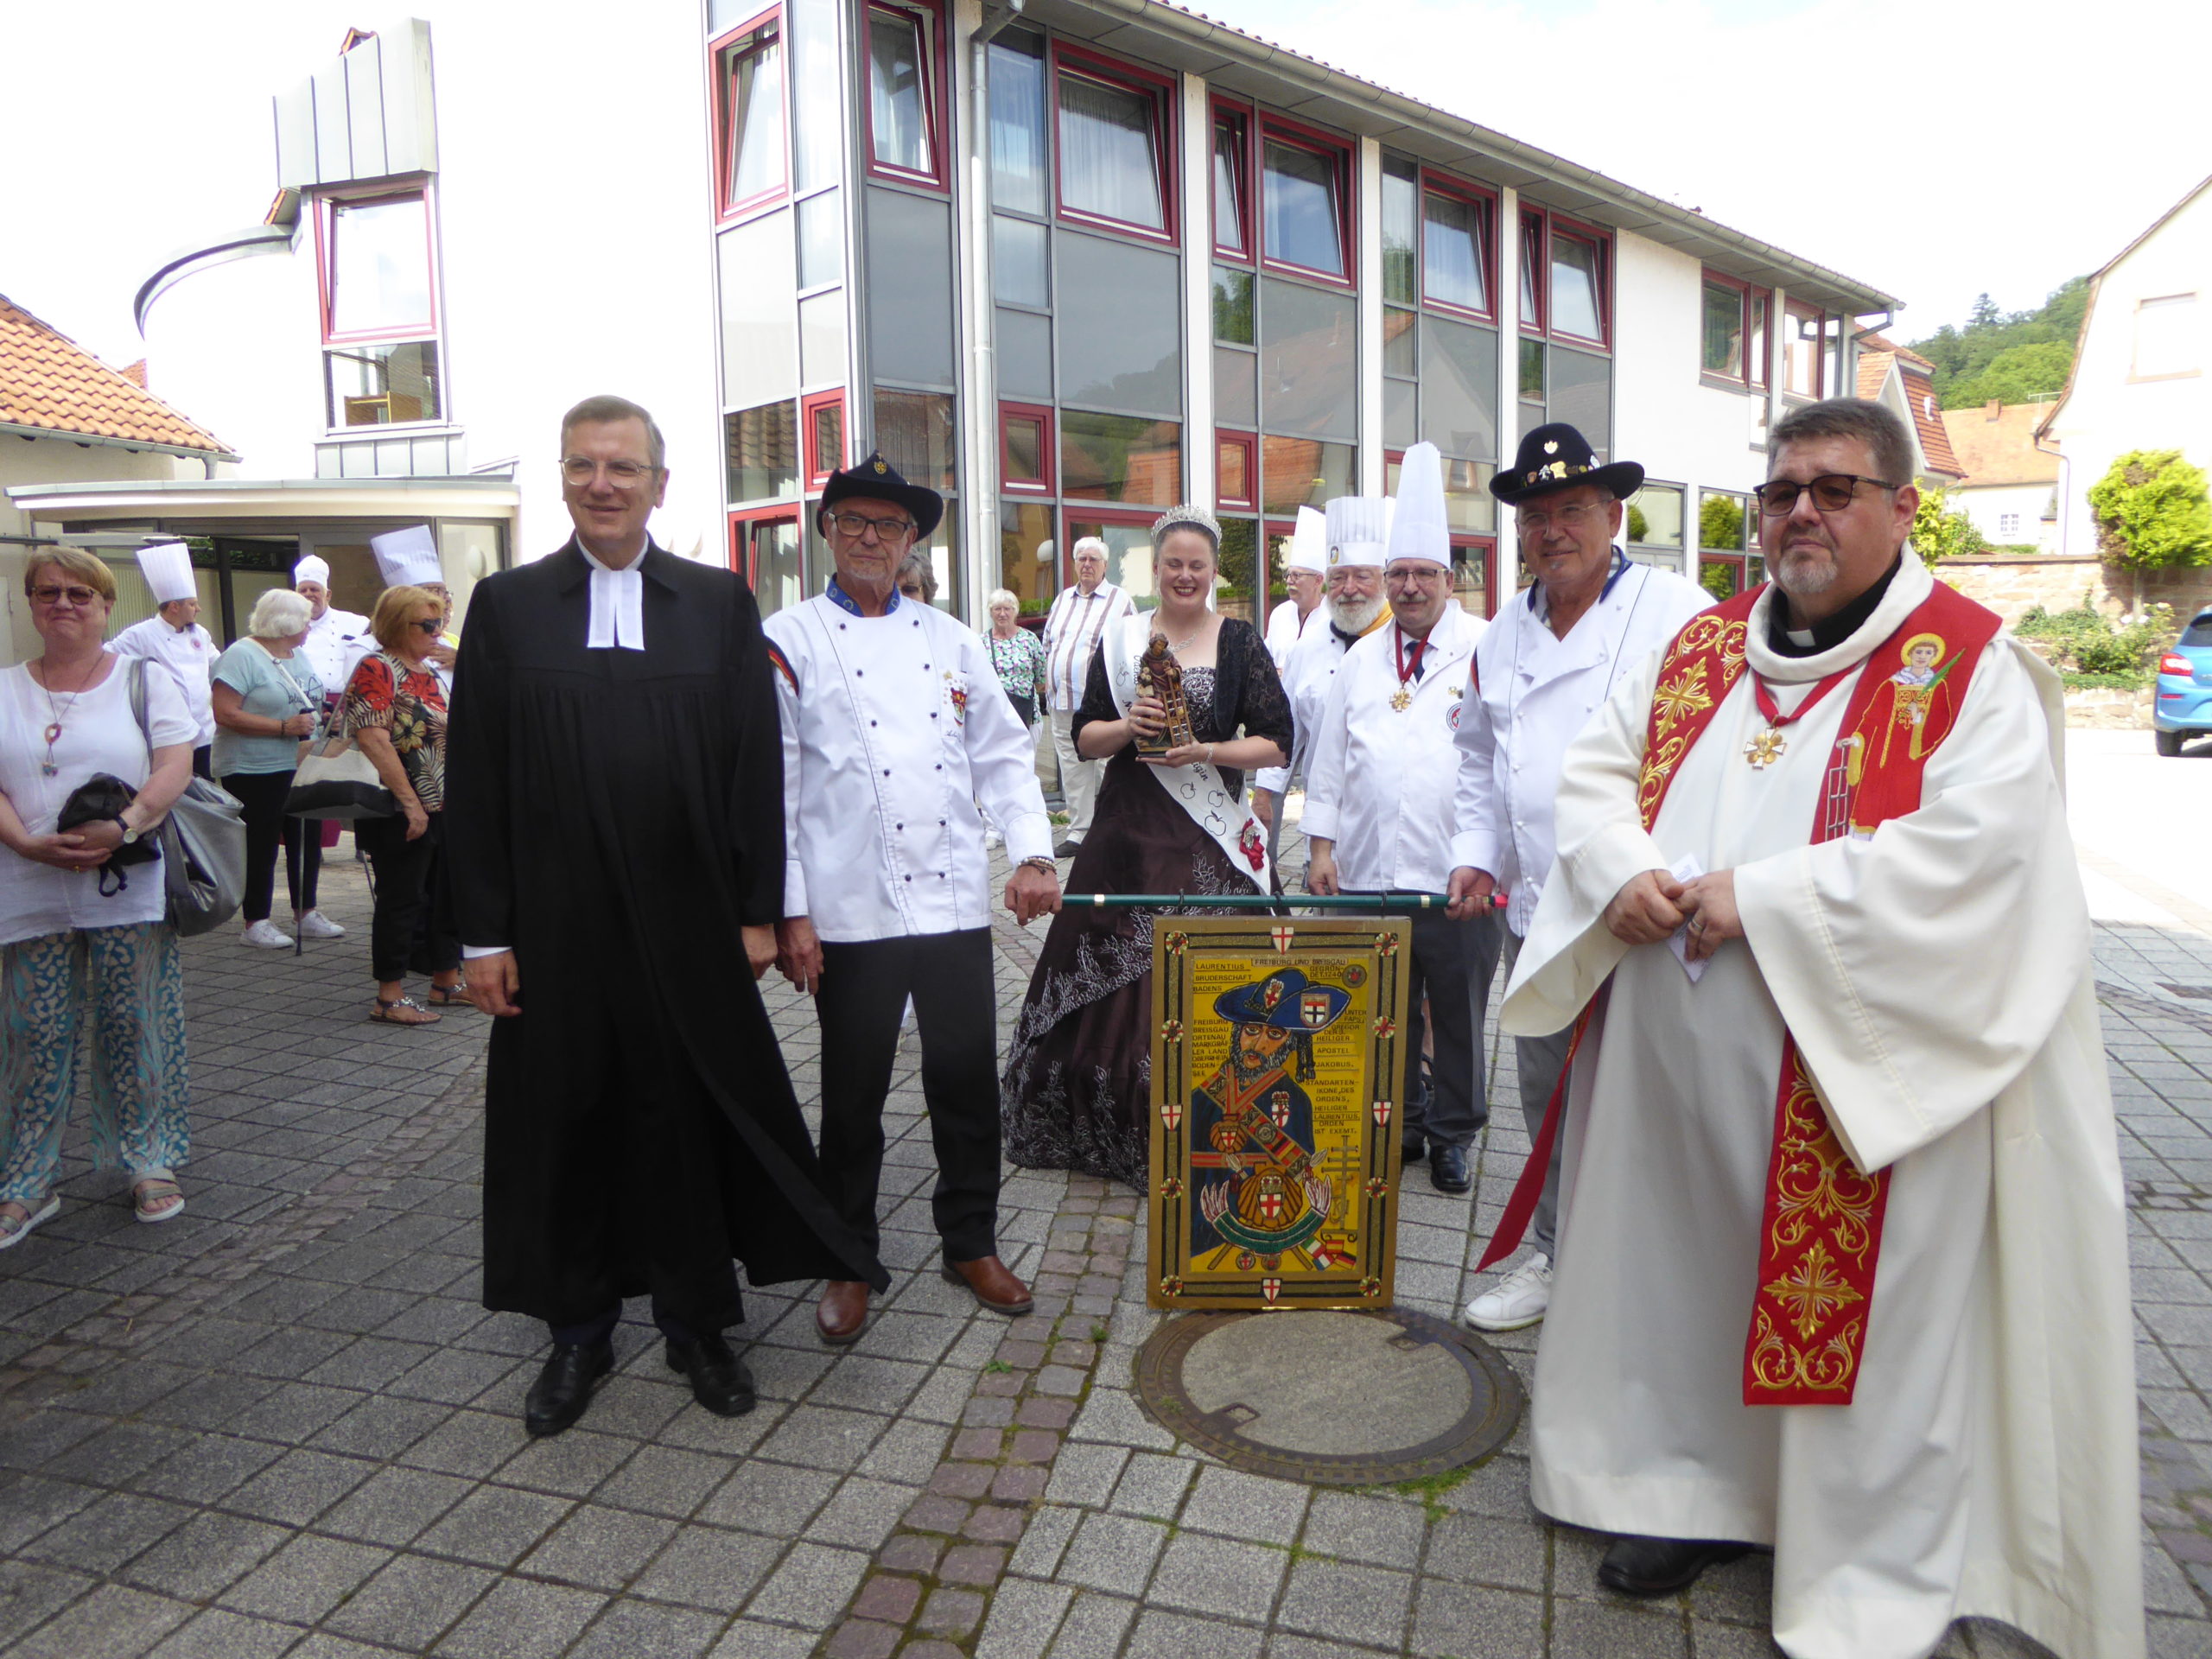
(1650,906)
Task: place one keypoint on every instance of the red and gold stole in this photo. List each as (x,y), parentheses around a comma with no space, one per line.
(1822,1235)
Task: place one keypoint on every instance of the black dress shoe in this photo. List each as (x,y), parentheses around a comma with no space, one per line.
(563,1387)
(1660,1566)
(719,1380)
(1066,849)
(1447,1168)
(1412,1147)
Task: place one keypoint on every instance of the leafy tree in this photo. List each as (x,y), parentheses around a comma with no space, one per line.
(1964,356)
(1939,533)
(1639,527)
(2019,374)
(1717,577)
(2152,514)
(1721,523)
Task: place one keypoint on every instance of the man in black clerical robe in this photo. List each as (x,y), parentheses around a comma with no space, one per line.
(614,819)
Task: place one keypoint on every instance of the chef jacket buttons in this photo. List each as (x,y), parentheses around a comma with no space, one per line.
(908,878)
(887,771)
(871,722)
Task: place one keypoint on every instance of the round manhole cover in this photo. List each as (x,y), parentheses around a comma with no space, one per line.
(1335,1399)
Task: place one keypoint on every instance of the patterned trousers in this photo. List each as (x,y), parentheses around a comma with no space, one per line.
(123,988)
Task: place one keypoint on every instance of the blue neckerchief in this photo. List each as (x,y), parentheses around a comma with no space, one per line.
(844,601)
(1620,570)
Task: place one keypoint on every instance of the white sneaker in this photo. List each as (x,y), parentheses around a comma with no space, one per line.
(316,925)
(1517,1301)
(270,937)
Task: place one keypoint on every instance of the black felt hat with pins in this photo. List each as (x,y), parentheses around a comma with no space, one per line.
(1556,457)
(877,480)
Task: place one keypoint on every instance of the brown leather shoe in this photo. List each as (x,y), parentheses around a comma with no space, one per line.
(841,1312)
(993,1284)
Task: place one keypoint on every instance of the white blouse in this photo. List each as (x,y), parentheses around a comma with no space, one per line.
(99,734)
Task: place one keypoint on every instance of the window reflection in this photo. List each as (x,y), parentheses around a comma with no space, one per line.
(762,452)
(1298,473)
(752,108)
(1018,263)
(1401,228)
(1110,155)
(1452,252)
(1655,516)
(1724,331)
(1028,561)
(1025,355)
(779,574)
(1121,325)
(379,385)
(1577,281)
(1232,305)
(1304,205)
(822,239)
(1230,161)
(1018,167)
(914,431)
(1120,458)
(1308,349)
(1235,386)
(380,257)
(816,124)
(899,112)
(1458,387)
(1025,449)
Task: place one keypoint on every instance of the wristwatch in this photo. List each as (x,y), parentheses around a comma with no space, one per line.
(129,836)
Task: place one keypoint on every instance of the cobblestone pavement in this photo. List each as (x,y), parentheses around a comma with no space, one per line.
(281,1424)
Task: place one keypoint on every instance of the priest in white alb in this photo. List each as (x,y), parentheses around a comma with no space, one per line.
(1843,1268)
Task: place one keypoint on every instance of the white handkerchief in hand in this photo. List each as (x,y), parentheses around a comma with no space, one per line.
(1685,868)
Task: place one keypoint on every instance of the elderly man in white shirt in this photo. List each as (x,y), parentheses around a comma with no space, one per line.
(1546,665)
(335,640)
(895,730)
(174,638)
(1379,811)
(1073,628)
(1304,572)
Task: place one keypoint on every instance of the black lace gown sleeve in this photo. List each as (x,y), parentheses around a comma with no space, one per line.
(1097,697)
(1247,693)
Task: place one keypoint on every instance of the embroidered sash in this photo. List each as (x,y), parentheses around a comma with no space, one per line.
(1198,789)
(1820,1235)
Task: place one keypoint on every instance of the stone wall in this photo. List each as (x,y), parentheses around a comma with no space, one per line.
(2010,584)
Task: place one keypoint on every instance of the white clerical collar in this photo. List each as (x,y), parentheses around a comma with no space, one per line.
(618,602)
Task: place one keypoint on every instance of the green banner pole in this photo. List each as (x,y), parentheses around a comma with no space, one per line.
(1389,904)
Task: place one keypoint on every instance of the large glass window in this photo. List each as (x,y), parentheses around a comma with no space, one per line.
(1801,351)
(901,116)
(1120,323)
(763,451)
(1655,516)
(759,329)
(1723,353)
(377,263)
(910,288)
(817,122)
(1304,206)
(753,115)
(1018,159)
(1458,387)
(1298,473)
(1241,586)
(1120,458)
(1232,305)
(1025,356)
(1110,151)
(914,431)
(1232,185)
(1235,386)
(381,385)
(1401,229)
(1308,357)
(821,337)
(779,566)
(1455,260)
(1723,521)
(1019,259)
(1401,413)
(1582,396)
(822,239)
(1028,560)
(1128,550)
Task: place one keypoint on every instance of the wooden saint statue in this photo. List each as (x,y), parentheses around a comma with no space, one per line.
(1160,677)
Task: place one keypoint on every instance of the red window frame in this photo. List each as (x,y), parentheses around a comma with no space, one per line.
(324,212)
(718,53)
(1536,270)
(1793,313)
(1485,548)
(1160,90)
(1083,512)
(743,556)
(1219,110)
(1248,442)
(1548,226)
(811,409)
(1486,200)
(1748,295)
(1339,151)
(930,14)
(1047,455)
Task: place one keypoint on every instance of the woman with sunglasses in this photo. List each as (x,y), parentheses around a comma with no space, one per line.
(86,960)
(396,710)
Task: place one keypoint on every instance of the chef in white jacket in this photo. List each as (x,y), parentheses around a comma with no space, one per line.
(1304,572)
(1549,663)
(174,638)
(335,640)
(408,558)
(1356,529)
(1379,801)
(894,728)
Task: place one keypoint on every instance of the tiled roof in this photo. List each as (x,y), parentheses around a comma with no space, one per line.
(1875,356)
(2002,450)
(50,382)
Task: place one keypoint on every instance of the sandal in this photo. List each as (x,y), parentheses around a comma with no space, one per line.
(414,1013)
(150,1191)
(13,1230)
(451,996)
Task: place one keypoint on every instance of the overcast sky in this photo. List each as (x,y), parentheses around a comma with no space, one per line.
(1933,149)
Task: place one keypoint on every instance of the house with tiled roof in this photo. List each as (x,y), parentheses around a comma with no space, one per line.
(1901,378)
(2009,489)
(66,417)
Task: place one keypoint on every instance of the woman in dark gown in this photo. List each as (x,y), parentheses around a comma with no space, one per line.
(1079,1078)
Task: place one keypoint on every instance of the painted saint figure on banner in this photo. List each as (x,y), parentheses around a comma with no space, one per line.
(1260,1198)
(1909,715)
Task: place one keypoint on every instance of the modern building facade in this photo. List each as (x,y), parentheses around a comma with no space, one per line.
(1070,262)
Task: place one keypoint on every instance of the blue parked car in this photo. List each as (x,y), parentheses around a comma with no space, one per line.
(2183,708)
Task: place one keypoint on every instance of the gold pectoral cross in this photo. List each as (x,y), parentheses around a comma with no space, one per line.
(1765,749)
